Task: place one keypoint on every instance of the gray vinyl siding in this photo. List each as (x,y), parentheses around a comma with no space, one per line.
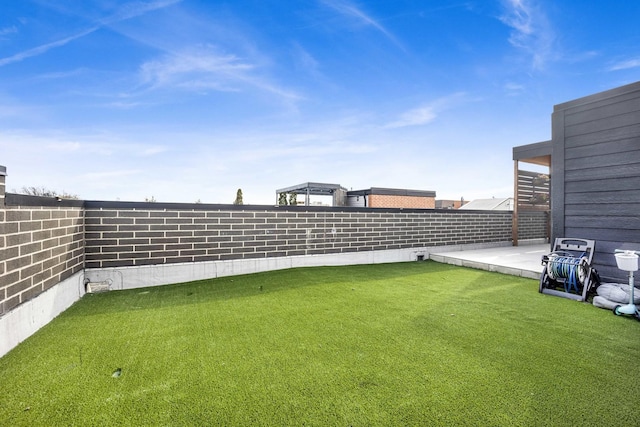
(596,173)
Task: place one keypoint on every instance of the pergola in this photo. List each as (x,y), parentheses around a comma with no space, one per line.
(527,185)
(310,189)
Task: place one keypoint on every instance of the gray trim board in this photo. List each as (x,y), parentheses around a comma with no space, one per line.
(539,149)
(600,96)
(557,176)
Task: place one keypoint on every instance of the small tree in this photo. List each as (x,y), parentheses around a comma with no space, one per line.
(238,200)
(282,199)
(293,199)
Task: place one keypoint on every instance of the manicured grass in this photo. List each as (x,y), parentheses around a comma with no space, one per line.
(397,344)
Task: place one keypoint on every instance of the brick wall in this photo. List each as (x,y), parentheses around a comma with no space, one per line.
(42,243)
(47,243)
(533,225)
(3,283)
(120,234)
(393,201)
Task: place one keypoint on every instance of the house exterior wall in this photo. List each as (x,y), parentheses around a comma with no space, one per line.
(392,201)
(595,173)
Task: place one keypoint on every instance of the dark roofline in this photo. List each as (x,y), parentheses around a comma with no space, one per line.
(538,153)
(532,150)
(621,90)
(391,192)
(12,199)
(26,200)
(312,188)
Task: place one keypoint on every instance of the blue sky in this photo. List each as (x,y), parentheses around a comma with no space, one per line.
(190,100)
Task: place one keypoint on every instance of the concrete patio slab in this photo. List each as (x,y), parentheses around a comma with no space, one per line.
(523,261)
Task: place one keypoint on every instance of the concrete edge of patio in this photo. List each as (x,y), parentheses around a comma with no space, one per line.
(521,261)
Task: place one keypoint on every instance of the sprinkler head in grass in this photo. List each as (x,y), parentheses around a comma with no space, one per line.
(117,373)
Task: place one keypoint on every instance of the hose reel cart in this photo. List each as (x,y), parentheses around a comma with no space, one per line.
(567,269)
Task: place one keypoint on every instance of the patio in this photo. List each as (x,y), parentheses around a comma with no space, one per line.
(523,261)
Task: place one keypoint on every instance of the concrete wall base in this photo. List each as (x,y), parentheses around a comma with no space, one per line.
(25,320)
(165,274)
(121,278)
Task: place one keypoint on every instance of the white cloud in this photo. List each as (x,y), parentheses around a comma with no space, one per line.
(200,68)
(153,150)
(110,174)
(531,30)
(137,8)
(8,30)
(126,11)
(513,88)
(204,68)
(625,65)
(348,9)
(297,152)
(426,113)
(305,61)
(415,117)
(13,109)
(64,146)
(124,105)
(39,50)
(57,143)
(63,74)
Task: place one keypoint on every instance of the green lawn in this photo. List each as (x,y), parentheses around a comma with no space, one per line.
(412,344)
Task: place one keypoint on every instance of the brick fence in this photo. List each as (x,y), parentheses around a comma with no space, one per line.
(49,248)
(130,234)
(41,244)
(44,241)
(533,225)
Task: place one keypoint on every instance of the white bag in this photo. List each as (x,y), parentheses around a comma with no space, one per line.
(618,293)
